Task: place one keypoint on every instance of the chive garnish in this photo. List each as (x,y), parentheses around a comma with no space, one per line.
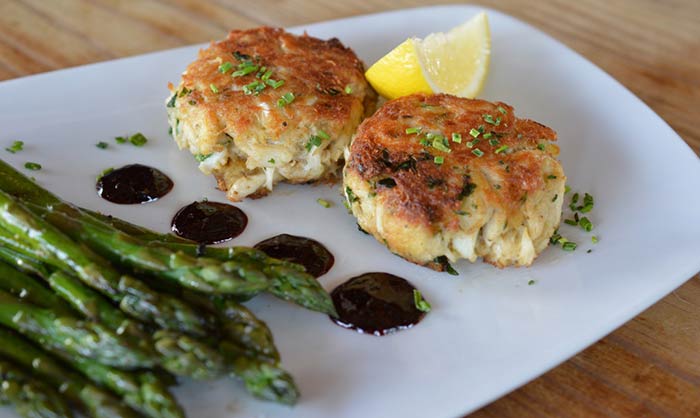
(120,139)
(568,246)
(15,147)
(489,119)
(493,142)
(586,224)
(477,152)
(350,195)
(540,147)
(474,132)
(502,148)
(439,159)
(501,109)
(32,166)
(274,84)
(531,282)
(414,130)
(421,304)
(567,189)
(225,67)
(551,177)
(201,157)
(348,89)
(326,204)
(488,135)
(254,88)
(441,143)
(271,161)
(456,137)
(138,139)
(286,99)
(594,239)
(102,145)
(214,89)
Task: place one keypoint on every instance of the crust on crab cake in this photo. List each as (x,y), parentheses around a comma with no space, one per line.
(438,178)
(229,109)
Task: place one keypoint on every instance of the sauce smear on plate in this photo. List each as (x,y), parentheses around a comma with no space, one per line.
(209,222)
(132,184)
(376,303)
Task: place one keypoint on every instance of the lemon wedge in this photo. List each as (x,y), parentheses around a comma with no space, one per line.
(455,62)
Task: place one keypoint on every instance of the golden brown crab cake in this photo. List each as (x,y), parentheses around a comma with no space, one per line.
(264,106)
(438,178)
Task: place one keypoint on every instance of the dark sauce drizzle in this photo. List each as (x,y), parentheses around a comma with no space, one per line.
(209,222)
(376,303)
(305,251)
(134,183)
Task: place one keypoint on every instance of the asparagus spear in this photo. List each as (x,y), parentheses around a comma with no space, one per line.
(90,399)
(262,379)
(31,398)
(28,289)
(133,296)
(71,335)
(289,281)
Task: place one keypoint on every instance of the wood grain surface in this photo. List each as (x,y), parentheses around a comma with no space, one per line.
(650,367)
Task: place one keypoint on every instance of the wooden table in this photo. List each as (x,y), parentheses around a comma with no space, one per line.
(650,367)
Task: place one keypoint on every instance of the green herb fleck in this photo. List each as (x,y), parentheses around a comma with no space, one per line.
(266,75)
(201,157)
(489,119)
(501,109)
(551,177)
(474,132)
(541,147)
(571,222)
(323,135)
(314,141)
(441,143)
(286,99)
(439,159)
(323,202)
(254,88)
(594,239)
(15,147)
(275,84)
(414,130)
(105,172)
(554,199)
(568,246)
(32,166)
(102,145)
(350,195)
(567,189)
(348,89)
(138,139)
(531,282)
(587,204)
(456,137)
(502,148)
(477,152)
(120,139)
(493,142)
(586,224)
(271,161)
(421,304)
(225,67)
(214,89)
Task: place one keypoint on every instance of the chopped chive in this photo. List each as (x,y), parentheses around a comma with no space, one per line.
(477,152)
(489,119)
(314,141)
(15,147)
(350,195)
(471,144)
(551,177)
(323,202)
(456,137)
(323,135)
(286,99)
(493,142)
(266,76)
(201,157)
(587,204)
(254,88)
(244,70)
(594,239)
(430,135)
(214,89)
(274,84)
(414,130)
(502,148)
(225,67)
(348,89)
(421,304)
(567,189)
(554,199)
(586,224)
(571,222)
(32,166)
(488,135)
(501,109)
(541,147)
(102,145)
(271,161)
(531,282)
(424,142)
(568,246)
(138,139)
(440,143)
(120,139)
(439,159)
(474,132)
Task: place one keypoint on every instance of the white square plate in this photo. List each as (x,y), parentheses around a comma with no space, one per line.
(489,332)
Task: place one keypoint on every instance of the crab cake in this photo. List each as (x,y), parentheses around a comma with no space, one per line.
(438,178)
(264,106)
